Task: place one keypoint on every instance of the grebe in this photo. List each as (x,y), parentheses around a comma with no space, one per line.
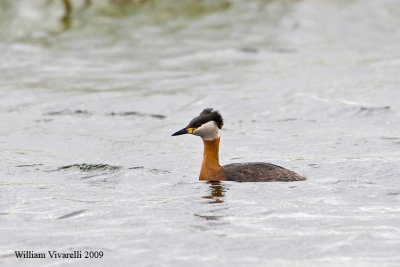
(208,126)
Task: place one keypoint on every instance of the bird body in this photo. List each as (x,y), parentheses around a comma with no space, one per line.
(208,125)
(259,172)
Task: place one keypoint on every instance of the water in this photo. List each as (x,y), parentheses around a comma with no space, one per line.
(87,161)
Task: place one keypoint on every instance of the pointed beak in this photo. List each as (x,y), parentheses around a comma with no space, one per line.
(180,132)
(184,131)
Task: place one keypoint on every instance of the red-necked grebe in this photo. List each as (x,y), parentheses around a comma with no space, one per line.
(208,126)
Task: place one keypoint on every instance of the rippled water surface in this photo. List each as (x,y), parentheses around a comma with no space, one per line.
(87,109)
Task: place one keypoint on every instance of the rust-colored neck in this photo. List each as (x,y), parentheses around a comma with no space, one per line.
(210,168)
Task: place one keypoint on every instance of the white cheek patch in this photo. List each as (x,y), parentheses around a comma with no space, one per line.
(208,131)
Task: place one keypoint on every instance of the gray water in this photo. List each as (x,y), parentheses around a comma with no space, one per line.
(87,161)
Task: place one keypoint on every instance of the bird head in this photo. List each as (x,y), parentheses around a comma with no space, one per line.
(207,125)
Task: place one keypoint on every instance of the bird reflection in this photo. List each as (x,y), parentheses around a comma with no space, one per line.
(217,192)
